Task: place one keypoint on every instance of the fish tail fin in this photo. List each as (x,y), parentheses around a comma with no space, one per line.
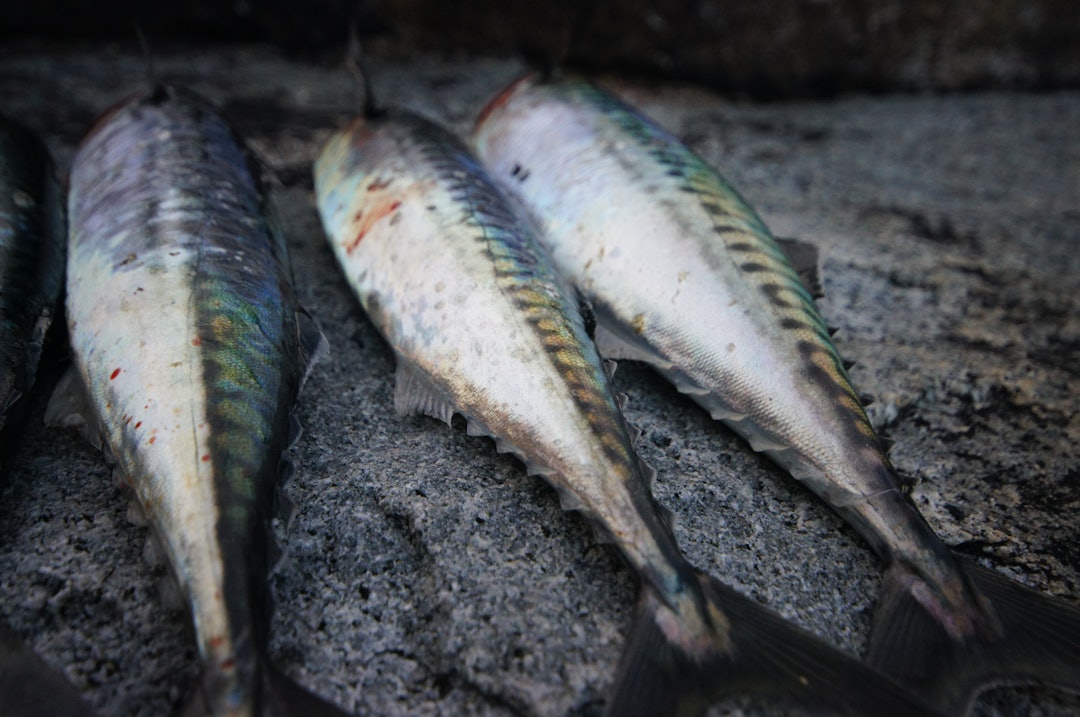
(30,687)
(276,696)
(282,697)
(667,670)
(1021,636)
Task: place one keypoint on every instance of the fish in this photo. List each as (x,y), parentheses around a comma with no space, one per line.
(189,349)
(32,238)
(32,242)
(685,276)
(482,326)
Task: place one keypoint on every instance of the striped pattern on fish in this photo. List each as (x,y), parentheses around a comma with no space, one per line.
(496,336)
(482,325)
(189,341)
(685,276)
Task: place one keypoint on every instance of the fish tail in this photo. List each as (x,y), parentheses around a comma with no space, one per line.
(1019,636)
(667,670)
(30,687)
(282,697)
(277,696)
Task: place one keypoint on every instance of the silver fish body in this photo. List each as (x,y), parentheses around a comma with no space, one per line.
(191,347)
(31,256)
(482,325)
(684,275)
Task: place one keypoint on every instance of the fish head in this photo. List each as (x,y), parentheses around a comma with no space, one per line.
(499,103)
(517,101)
(363,179)
(131,107)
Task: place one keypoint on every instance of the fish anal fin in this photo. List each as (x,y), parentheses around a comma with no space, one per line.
(1021,636)
(296,430)
(312,344)
(169,593)
(804,258)
(135,513)
(153,553)
(283,507)
(758,440)
(415,394)
(668,670)
(70,407)
(611,345)
(568,501)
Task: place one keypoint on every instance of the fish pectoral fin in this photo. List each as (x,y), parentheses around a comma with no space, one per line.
(415,394)
(312,343)
(69,407)
(804,258)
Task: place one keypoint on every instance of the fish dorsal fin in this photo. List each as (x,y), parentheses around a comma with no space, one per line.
(312,344)
(415,394)
(804,257)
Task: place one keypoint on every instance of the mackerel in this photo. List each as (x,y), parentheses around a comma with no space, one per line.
(684,275)
(481,325)
(190,346)
(31,276)
(31,256)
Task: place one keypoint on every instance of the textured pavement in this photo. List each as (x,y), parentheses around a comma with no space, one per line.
(425,574)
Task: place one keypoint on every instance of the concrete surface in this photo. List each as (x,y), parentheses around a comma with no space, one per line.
(428,575)
(773,48)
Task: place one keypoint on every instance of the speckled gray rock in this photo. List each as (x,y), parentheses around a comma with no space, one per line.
(427,575)
(776,48)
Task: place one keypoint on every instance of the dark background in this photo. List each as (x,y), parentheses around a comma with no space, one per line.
(765,48)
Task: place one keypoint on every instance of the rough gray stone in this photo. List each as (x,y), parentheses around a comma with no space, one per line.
(427,575)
